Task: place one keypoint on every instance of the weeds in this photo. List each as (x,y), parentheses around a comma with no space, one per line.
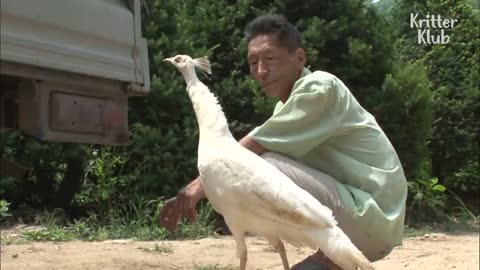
(136,220)
(49,234)
(213,267)
(203,226)
(7,239)
(427,200)
(458,223)
(4,205)
(158,248)
(434,208)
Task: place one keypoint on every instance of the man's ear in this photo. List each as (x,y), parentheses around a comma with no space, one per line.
(300,57)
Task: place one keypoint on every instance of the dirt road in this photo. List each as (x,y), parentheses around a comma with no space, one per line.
(434,251)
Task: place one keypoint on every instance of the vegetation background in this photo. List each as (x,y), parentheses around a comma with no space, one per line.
(425,97)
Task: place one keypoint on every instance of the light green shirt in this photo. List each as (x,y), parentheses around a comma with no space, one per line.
(322,125)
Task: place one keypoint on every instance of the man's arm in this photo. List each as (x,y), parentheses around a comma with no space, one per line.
(252,145)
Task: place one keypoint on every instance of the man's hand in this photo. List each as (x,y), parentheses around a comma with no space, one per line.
(183,205)
(168,214)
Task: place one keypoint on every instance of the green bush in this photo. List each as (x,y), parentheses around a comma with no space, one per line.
(53,168)
(452,69)
(405,111)
(107,183)
(467,179)
(4,209)
(427,200)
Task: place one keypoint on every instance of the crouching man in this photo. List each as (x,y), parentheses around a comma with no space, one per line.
(322,139)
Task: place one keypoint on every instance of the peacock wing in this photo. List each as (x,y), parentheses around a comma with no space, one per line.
(260,188)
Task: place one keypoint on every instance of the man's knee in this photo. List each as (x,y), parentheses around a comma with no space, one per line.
(371,246)
(377,254)
(280,161)
(320,185)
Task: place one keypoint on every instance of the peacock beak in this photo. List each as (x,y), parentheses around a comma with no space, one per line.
(168,60)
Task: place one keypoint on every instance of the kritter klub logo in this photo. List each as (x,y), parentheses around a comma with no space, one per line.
(431,29)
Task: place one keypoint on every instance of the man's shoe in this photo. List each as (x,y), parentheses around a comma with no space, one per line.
(310,263)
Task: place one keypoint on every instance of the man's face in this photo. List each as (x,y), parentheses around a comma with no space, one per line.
(273,66)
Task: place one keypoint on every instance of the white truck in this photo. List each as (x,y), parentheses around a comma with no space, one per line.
(68,68)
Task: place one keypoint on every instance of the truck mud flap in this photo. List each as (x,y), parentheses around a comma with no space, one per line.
(61,112)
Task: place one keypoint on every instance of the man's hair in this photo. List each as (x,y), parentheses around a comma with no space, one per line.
(287,33)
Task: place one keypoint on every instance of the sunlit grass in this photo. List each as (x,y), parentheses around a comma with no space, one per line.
(137,221)
(461,222)
(158,248)
(213,267)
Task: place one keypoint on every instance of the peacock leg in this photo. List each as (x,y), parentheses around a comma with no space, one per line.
(278,246)
(241,249)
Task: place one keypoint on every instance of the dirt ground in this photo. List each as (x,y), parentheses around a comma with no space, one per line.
(431,251)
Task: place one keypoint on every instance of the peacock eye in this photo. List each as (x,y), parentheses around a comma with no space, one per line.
(178,60)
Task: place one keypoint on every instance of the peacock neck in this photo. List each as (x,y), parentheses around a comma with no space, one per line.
(211,119)
(189,75)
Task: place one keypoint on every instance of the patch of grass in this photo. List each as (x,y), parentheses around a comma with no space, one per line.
(418,230)
(453,224)
(137,220)
(217,245)
(54,233)
(213,267)
(11,239)
(4,208)
(6,240)
(52,230)
(460,219)
(158,248)
(203,226)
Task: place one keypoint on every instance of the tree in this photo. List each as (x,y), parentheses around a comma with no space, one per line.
(452,69)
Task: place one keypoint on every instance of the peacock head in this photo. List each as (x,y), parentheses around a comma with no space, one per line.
(185,63)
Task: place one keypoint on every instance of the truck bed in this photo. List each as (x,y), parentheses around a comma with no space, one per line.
(68,68)
(92,37)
